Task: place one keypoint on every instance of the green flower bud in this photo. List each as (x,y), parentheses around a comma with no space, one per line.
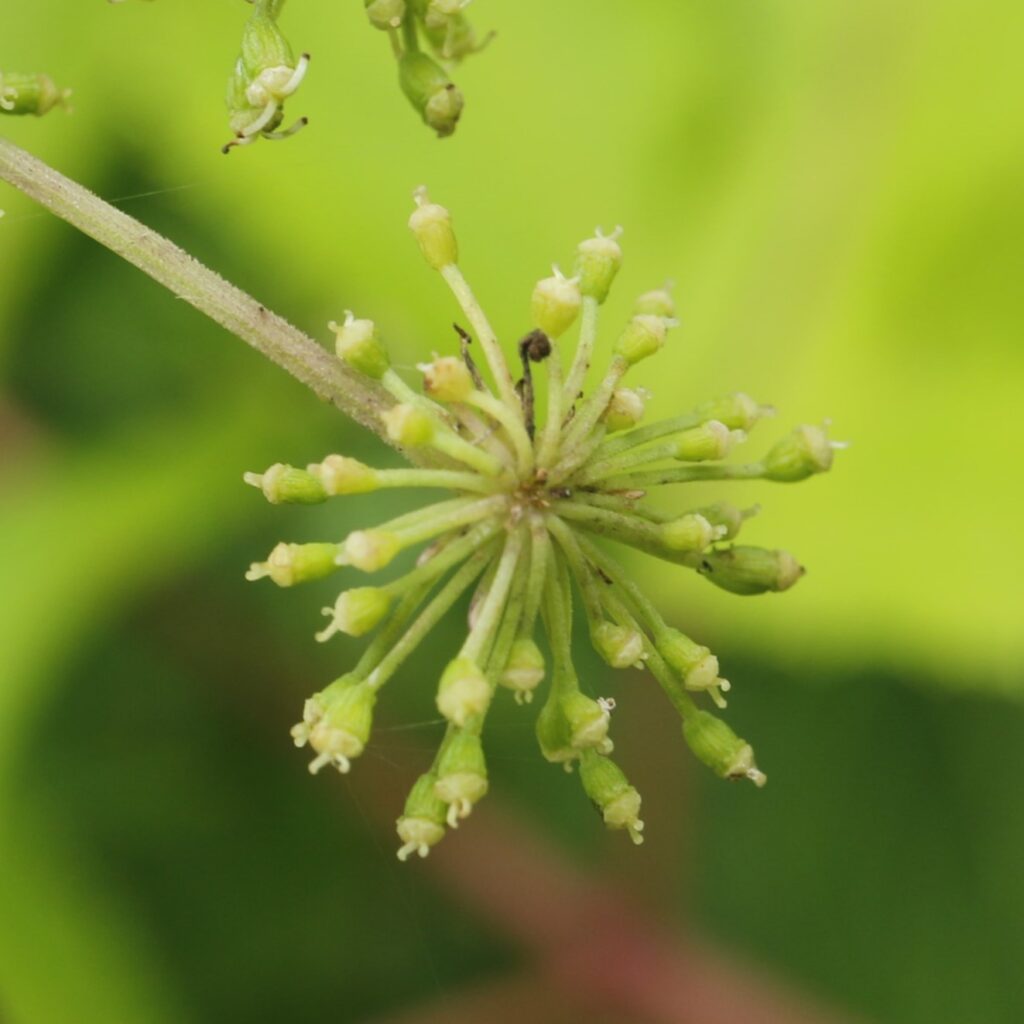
(737,411)
(339,474)
(463,691)
(369,550)
(618,646)
(313,709)
(694,663)
(430,91)
(461,775)
(750,570)
(625,409)
(385,14)
(588,721)
(408,425)
(263,43)
(432,226)
(357,343)
(283,484)
(691,532)
(553,734)
(717,746)
(643,336)
(711,440)
(264,76)
(421,825)
(289,564)
(597,262)
(524,671)
(656,303)
(806,451)
(356,612)
(336,723)
(721,513)
(30,94)
(447,379)
(606,785)
(555,304)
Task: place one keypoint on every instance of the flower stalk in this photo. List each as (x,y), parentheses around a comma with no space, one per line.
(159,258)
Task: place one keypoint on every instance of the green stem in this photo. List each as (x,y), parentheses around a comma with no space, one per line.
(627,612)
(443,516)
(558,617)
(593,407)
(447,441)
(392,629)
(684,475)
(578,443)
(409,36)
(670,684)
(584,351)
(478,642)
(639,604)
(270,8)
(618,525)
(396,43)
(626,529)
(540,561)
(188,279)
(651,432)
(581,455)
(512,421)
(585,578)
(450,555)
(437,510)
(548,449)
(484,332)
(510,623)
(443,478)
(482,434)
(595,470)
(429,617)
(627,503)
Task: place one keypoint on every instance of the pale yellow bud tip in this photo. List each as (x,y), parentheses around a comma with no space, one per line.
(556,303)
(447,379)
(432,226)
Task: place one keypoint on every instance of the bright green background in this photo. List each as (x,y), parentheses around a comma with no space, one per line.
(835,190)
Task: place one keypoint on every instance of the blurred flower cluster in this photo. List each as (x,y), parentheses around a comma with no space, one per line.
(267,72)
(36,94)
(542,470)
(443,26)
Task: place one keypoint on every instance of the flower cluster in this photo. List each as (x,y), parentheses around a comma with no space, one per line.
(534,497)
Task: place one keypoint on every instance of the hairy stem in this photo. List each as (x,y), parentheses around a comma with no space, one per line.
(207,291)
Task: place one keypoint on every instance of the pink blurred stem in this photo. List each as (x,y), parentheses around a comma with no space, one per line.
(592,942)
